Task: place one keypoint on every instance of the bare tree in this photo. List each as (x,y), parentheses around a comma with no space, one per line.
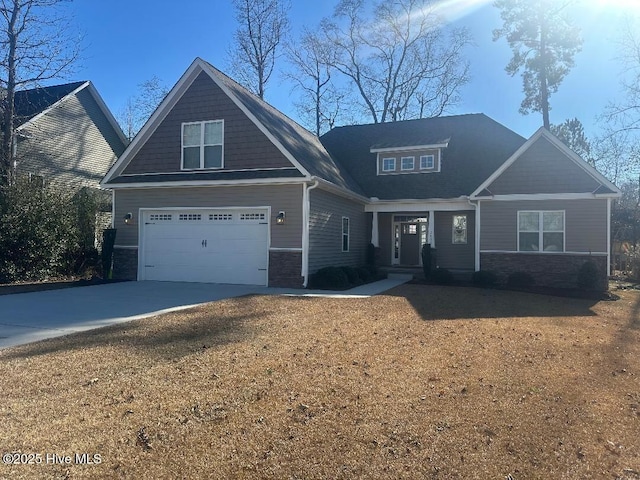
(321,103)
(141,106)
(398,57)
(36,45)
(262,26)
(543,44)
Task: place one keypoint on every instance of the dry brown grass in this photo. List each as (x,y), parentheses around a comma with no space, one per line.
(424,382)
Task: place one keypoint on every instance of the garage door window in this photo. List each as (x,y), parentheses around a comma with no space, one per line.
(202,145)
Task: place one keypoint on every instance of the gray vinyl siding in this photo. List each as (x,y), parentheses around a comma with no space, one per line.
(450,255)
(278,197)
(543,169)
(325,231)
(245,146)
(585,223)
(73,144)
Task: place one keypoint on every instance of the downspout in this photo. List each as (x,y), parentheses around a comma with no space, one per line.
(306,214)
(476,233)
(609,266)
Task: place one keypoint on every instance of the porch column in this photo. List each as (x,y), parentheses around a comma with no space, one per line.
(374,230)
(431,237)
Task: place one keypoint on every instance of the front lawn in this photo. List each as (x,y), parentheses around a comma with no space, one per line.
(423,382)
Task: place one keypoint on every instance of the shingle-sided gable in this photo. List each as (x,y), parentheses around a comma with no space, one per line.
(543,165)
(245,146)
(543,169)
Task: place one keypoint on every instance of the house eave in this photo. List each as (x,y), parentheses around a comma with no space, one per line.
(407,148)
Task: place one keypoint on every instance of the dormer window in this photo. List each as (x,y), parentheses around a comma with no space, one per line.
(389,164)
(407,163)
(409,159)
(427,162)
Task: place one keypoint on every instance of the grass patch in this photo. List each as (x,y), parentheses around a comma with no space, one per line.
(424,382)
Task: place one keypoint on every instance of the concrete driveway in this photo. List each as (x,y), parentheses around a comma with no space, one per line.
(28,317)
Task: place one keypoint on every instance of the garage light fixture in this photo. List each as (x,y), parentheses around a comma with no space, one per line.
(281,217)
(128,218)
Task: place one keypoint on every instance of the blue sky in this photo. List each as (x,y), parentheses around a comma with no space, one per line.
(128,41)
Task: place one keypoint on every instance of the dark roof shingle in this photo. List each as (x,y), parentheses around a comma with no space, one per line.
(477,146)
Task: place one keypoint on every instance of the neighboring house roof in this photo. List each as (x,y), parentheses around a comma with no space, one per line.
(66,134)
(29,103)
(476,146)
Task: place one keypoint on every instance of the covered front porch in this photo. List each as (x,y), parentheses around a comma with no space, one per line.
(399,230)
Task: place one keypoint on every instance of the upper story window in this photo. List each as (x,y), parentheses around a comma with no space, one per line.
(407,163)
(541,231)
(388,164)
(427,162)
(202,145)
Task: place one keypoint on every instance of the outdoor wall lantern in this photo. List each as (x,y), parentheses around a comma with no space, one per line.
(128,218)
(281,217)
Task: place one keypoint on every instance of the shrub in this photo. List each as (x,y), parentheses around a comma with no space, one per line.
(39,234)
(427,254)
(329,278)
(520,280)
(484,278)
(371,255)
(352,275)
(588,277)
(366,274)
(441,276)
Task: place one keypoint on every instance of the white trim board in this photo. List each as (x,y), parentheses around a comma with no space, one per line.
(393,206)
(410,148)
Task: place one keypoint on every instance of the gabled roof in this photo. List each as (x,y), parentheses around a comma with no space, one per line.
(606,188)
(29,103)
(33,103)
(301,147)
(472,148)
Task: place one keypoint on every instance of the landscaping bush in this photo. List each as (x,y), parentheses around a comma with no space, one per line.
(588,277)
(484,278)
(329,278)
(442,276)
(352,275)
(39,235)
(366,275)
(520,280)
(428,259)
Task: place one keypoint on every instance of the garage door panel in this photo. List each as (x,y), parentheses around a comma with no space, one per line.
(216,246)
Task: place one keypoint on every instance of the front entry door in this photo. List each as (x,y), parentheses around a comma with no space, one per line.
(409,244)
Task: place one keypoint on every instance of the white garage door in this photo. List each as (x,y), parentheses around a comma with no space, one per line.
(210,246)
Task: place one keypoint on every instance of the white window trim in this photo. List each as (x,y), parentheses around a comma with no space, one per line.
(413,163)
(347,234)
(541,231)
(433,161)
(389,169)
(202,145)
(466,229)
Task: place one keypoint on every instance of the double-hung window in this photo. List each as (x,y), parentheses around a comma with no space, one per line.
(202,145)
(345,234)
(541,231)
